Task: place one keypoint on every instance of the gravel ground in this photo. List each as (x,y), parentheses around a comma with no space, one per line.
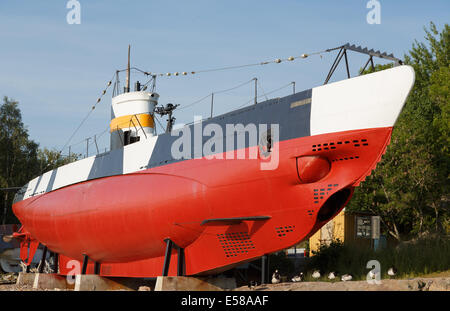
(416,284)
(441,283)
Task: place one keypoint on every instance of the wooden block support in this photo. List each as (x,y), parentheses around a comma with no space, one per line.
(183,283)
(51,281)
(93,282)
(25,279)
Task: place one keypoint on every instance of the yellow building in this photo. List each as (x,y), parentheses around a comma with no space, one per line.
(358,228)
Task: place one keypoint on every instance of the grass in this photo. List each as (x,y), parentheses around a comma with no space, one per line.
(426,256)
(441,274)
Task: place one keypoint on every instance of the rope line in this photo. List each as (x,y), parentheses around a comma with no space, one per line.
(274,61)
(273,91)
(148,73)
(196,102)
(162,127)
(233,88)
(263,93)
(217,92)
(88,114)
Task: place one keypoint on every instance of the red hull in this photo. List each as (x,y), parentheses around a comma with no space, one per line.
(122,221)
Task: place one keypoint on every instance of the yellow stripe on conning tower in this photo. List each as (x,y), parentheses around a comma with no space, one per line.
(131,121)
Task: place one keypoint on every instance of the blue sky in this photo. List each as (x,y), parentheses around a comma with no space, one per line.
(57,71)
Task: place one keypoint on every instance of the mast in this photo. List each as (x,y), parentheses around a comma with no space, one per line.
(127,87)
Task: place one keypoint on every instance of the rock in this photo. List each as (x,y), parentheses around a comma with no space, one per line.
(8,278)
(440,284)
(417,284)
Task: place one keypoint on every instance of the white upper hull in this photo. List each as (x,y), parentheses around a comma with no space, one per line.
(368,101)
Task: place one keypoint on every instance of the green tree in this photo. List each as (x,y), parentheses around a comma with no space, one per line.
(18,154)
(20,157)
(409,188)
(51,159)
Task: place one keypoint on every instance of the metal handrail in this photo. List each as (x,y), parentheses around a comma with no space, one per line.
(139,122)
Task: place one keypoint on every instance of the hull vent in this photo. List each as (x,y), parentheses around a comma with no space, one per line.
(324,146)
(358,143)
(319,194)
(235,243)
(282,231)
(332,145)
(345,159)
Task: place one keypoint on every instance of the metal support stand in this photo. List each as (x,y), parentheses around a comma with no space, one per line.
(256,90)
(87,147)
(55,262)
(97,267)
(168,255)
(264,269)
(42,264)
(212,104)
(180,270)
(370,60)
(85,263)
(346,64)
(335,64)
(347,47)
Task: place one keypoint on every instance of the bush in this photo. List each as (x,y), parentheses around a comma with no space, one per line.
(414,258)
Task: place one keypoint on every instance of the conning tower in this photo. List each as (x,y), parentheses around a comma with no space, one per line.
(132,114)
(132,117)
